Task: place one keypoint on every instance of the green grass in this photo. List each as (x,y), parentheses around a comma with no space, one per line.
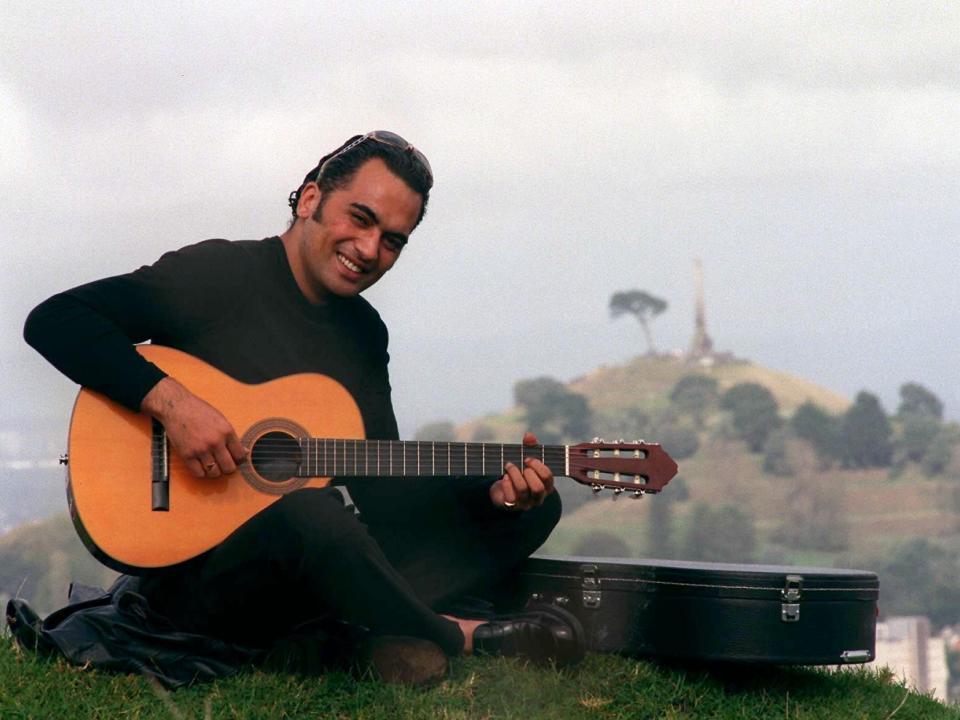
(603,687)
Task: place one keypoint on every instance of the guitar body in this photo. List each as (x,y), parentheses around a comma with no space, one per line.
(115,454)
(137,507)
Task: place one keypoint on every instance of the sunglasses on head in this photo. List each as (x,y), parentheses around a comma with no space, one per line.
(384,137)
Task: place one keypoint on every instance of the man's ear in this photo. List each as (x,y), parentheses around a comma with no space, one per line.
(309,201)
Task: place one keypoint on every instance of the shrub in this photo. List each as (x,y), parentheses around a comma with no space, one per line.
(812,423)
(693,395)
(916,400)
(865,433)
(553,411)
(680,442)
(723,534)
(754,413)
(776,457)
(916,436)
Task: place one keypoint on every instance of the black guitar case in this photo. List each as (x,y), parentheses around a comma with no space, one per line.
(711,611)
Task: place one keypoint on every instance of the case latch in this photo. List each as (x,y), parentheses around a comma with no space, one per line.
(790,596)
(590,583)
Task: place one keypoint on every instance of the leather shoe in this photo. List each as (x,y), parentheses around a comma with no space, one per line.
(541,633)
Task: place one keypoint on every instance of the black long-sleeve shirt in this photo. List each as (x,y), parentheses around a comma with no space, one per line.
(235,305)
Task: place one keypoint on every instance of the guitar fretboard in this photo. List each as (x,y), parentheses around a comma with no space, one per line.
(322,457)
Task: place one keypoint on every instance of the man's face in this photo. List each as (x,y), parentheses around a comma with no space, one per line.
(359,234)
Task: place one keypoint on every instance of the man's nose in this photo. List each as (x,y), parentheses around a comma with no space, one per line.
(368,244)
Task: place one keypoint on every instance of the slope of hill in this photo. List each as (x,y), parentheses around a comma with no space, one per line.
(649,380)
(869,514)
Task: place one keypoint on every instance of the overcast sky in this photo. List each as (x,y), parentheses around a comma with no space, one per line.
(807,152)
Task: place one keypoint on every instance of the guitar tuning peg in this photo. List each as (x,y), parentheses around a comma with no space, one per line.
(597,440)
(596,488)
(639,441)
(637,495)
(621,441)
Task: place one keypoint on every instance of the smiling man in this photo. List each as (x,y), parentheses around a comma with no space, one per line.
(398,573)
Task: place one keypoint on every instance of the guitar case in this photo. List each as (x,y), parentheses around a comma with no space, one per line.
(711,611)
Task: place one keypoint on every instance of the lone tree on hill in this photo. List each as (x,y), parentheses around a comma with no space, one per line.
(643,306)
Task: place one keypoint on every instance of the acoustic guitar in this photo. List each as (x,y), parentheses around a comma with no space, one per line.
(136,506)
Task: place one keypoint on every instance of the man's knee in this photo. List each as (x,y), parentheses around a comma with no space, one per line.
(318,518)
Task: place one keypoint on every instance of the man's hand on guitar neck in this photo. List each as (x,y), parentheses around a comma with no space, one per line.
(522,489)
(200,434)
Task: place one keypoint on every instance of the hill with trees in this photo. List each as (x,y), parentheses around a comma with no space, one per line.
(773,468)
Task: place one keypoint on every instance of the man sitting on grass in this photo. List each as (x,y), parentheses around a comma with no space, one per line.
(397,574)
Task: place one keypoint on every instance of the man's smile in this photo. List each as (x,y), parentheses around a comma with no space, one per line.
(348,264)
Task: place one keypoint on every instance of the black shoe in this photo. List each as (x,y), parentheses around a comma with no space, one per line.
(541,633)
(400,660)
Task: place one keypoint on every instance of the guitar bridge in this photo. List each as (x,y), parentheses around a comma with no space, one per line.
(160,469)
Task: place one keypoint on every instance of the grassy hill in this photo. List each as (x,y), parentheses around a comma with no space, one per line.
(878,510)
(603,687)
(649,379)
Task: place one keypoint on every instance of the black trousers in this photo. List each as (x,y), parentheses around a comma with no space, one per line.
(308,557)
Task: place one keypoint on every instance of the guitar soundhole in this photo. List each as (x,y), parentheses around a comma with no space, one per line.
(276,456)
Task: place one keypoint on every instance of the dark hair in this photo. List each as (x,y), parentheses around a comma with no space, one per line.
(340,171)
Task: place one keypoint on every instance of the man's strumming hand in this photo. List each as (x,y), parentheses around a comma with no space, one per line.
(523,488)
(199,433)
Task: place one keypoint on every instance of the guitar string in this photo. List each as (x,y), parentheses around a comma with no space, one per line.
(450,454)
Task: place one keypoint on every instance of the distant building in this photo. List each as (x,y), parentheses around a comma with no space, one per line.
(701,350)
(904,644)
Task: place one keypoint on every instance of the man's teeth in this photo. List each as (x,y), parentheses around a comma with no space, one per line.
(350,265)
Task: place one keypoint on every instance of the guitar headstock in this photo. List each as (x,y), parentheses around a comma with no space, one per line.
(637,468)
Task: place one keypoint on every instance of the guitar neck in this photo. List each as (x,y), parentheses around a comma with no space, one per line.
(337,458)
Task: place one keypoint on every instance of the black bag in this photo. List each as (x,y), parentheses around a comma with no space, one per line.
(711,611)
(116,630)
